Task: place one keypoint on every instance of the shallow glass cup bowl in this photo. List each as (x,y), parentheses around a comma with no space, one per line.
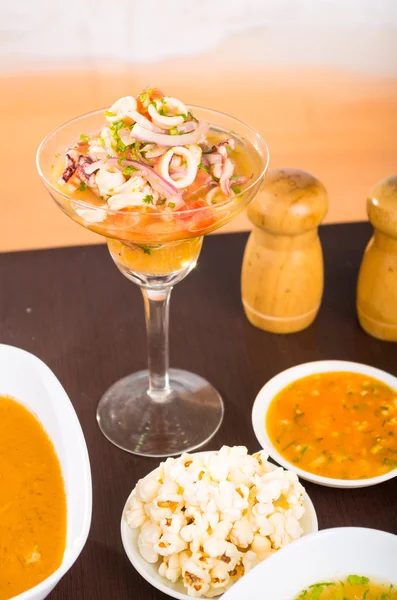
(160,411)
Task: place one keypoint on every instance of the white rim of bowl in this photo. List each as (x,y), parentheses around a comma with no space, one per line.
(74,549)
(164,587)
(281,381)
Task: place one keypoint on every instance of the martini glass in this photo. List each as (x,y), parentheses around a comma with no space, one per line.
(160,411)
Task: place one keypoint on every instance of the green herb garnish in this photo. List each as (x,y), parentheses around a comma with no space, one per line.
(236,189)
(128,170)
(171,204)
(84,138)
(109,113)
(148,199)
(82,187)
(389,462)
(174,131)
(115,128)
(289,445)
(357,580)
(304,448)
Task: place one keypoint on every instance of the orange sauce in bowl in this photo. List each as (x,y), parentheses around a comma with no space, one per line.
(339,425)
(32,502)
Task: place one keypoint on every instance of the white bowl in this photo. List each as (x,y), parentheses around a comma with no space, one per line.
(150,571)
(329,555)
(279,382)
(28,380)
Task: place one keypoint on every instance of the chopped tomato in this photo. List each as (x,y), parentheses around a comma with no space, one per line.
(197,221)
(147,96)
(200,186)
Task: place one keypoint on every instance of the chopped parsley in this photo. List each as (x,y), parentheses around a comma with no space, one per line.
(389,462)
(357,580)
(84,138)
(203,168)
(144,97)
(148,199)
(57,155)
(171,204)
(146,249)
(109,113)
(128,170)
(174,131)
(161,202)
(236,189)
(314,591)
(115,128)
(82,187)
(304,448)
(289,445)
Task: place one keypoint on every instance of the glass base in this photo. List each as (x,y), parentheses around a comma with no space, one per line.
(185,419)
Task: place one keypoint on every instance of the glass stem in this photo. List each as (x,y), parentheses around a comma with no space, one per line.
(157,303)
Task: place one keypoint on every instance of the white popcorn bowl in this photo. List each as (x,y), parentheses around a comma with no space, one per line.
(28,380)
(329,555)
(150,571)
(281,381)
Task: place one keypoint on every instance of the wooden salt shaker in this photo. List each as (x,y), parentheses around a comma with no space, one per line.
(377,280)
(283,273)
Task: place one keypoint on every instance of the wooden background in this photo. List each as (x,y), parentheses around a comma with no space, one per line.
(339,125)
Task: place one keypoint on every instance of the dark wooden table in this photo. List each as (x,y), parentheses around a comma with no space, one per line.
(73,309)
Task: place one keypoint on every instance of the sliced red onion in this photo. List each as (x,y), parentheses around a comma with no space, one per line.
(157,182)
(93,166)
(143,121)
(187,127)
(140,156)
(162,139)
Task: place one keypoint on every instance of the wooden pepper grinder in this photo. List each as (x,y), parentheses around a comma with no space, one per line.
(377,280)
(283,271)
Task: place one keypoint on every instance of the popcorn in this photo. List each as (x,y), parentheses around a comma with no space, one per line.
(250,560)
(136,515)
(147,540)
(170,543)
(208,520)
(262,546)
(171,567)
(242,533)
(147,489)
(196,579)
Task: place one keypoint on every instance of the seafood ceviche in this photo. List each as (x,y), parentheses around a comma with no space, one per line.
(207,520)
(153,155)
